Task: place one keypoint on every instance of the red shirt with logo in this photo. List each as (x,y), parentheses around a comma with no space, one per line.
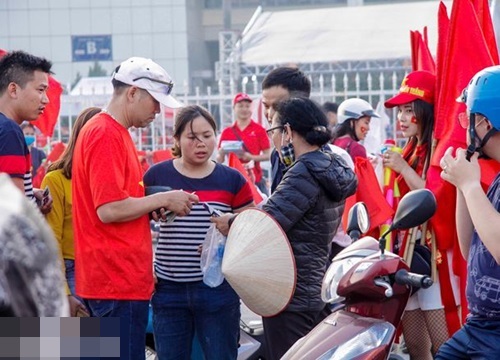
(254,137)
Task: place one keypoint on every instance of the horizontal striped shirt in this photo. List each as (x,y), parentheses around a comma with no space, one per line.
(177,257)
(15,157)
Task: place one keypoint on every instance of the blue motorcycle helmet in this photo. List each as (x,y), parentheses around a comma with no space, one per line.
(482,96)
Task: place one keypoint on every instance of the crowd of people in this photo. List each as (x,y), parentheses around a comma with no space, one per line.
(100,214)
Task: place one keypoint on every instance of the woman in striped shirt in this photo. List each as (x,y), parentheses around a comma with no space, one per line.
(182,303)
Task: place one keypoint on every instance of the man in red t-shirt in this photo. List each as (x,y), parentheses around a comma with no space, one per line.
(113,249)
(256,146)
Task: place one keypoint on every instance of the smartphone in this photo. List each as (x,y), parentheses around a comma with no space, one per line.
(46,195)
(211,210)
(170,216)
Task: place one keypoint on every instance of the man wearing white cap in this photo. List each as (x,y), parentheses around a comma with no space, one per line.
(112,236)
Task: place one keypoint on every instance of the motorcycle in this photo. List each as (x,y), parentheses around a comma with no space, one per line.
(373,287)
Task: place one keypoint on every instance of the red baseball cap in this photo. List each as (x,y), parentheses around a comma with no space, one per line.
(241,97)
(416,85)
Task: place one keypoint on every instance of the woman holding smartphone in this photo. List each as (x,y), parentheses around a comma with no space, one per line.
(182,303)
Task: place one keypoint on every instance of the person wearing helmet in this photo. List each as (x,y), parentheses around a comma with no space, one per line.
(353,118)
(424,320)
(478,220)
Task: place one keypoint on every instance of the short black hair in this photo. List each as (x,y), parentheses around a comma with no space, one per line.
(291,79)
(330,107)
(19,67)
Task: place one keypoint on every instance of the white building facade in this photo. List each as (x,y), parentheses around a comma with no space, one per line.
(74,34)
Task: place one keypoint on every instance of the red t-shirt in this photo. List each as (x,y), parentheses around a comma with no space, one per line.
(354,148)
(113,261)
(255,139)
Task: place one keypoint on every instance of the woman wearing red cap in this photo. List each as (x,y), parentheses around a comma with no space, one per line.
(424,321)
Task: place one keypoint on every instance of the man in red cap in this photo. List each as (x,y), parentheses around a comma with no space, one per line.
(255,143)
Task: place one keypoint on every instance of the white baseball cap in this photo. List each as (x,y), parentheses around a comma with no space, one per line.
(148,75)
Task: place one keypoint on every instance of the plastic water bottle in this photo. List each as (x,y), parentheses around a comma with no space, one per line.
(213,275)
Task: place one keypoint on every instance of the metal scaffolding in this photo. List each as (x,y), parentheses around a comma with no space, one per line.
(227,73)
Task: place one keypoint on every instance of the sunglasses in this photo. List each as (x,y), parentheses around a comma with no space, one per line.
(168,84)
(464,120)
(270,131)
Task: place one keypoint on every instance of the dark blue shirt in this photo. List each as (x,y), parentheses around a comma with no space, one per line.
(483,279)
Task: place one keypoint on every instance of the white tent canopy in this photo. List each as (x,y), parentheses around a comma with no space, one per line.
(338,33)
(93,86)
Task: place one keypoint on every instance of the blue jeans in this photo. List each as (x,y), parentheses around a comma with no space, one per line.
(180,309)
(133,316)
(476,340)
(69,264)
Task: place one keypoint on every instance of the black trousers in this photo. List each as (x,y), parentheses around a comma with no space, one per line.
(283,330)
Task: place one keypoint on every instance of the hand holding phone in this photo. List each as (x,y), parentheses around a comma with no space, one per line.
(45,196)
(211,210)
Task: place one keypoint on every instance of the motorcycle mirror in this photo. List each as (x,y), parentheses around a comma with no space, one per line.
(415,208)
(358,221)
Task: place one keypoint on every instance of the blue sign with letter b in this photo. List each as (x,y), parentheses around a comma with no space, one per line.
(91,48)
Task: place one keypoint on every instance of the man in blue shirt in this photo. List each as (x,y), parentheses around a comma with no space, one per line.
(478,220)
(24,80)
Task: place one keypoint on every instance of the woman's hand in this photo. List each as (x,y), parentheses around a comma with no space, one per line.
(222,222)
(394,161)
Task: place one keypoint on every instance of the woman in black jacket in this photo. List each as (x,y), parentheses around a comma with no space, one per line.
(308,204)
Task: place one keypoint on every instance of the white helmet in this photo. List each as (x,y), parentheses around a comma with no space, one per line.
(354,109)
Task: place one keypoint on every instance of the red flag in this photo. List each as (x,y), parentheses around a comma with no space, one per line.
(442,44)
(369,192)
(465,37)
(235,163)
(421,56)
(47,121)
(459,37)
(55,154)
(458,67)
(161,155)
(57,150)
(484,17)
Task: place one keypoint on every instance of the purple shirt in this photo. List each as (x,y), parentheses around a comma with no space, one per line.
(483,279)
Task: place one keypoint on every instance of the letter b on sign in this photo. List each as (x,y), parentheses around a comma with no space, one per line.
(91,47)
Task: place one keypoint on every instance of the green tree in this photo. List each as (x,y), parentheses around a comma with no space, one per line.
(77,79)
(97,70)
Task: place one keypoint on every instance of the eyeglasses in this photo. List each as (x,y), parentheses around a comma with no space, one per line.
(169,84)
(463,119)
(270,131)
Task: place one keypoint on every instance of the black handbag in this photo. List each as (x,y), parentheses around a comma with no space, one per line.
(421,263)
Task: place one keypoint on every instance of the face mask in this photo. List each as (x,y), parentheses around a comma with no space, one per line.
(287,151)
(30,139)
(287,154)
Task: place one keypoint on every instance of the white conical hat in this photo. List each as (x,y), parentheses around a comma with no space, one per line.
(259,263)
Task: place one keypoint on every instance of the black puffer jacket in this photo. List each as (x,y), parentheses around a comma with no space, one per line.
(308,204)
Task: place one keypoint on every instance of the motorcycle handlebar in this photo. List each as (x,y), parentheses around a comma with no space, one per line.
(404,277)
